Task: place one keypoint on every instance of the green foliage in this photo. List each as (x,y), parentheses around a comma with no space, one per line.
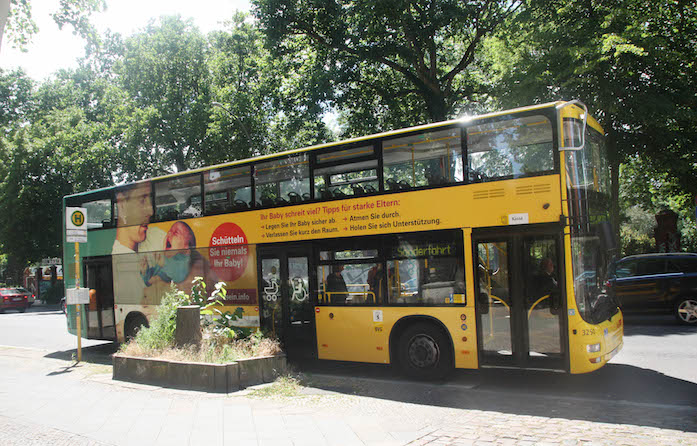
(160,334)
(387,64)
(54,294)
(221,322)
(21,26)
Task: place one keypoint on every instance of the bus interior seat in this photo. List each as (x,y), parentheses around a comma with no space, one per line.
(240,204)
(325,193)
(306,196)
(357,189)
(403,185)
(294,197)
(339,193)
(370,189)
(266,200)
(391,184)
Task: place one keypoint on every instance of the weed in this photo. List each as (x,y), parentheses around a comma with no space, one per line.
(285,386)
(222,342)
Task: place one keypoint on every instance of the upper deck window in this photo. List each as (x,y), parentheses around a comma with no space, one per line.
(346,172)
(98,213)
(228,189)
(282,181)
(425,159)
(178,198)
(511,148)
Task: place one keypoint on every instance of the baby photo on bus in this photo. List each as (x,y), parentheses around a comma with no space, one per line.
(173,263)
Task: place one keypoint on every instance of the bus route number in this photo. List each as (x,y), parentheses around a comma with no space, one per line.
(588,332)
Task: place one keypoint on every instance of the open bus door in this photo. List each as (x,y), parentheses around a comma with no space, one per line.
(100,311)
(520,303)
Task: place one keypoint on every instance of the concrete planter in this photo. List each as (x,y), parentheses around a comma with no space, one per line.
(222,378)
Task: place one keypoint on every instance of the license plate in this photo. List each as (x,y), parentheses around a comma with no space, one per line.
(17,299)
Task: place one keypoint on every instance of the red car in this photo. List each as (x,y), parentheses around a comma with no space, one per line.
(14,298)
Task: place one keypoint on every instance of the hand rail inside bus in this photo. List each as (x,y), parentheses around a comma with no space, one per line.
(583,128)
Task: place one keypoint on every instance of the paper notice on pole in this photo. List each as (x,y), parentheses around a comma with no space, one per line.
(77,296)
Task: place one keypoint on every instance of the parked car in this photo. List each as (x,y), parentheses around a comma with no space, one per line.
(14,298)
(30,297)
(657,283)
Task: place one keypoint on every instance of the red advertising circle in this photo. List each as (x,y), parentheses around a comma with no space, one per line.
(228,252)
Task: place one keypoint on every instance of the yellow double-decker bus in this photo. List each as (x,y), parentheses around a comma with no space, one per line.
(478,242)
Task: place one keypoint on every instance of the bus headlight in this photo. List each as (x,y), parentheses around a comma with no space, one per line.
(593,348)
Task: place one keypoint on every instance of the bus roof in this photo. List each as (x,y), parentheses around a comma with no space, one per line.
(591,122)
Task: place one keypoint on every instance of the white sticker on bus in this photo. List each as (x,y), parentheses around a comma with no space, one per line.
(518,219)
(377,315)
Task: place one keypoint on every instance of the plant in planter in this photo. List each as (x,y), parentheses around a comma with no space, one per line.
(221,340)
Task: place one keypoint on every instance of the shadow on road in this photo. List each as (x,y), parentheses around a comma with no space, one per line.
(655,325)
(95,354)
(619,394)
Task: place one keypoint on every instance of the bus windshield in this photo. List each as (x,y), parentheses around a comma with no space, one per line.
(592,239)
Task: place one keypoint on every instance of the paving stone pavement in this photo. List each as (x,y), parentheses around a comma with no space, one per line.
(50,401)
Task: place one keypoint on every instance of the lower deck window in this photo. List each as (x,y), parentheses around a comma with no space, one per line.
(414,269)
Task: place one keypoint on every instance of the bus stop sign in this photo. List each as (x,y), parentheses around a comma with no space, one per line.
(76,225)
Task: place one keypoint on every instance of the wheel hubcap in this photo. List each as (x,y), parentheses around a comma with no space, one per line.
(687,311)
(423,351)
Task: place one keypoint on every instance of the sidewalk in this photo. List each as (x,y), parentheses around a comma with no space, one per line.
(48,401)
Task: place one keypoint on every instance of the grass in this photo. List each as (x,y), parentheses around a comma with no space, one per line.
(284,387)
(213,350)
(221,343)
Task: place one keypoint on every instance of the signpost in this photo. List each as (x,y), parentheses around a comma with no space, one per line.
(76,232)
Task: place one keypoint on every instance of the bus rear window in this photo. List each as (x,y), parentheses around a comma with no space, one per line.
(510,148)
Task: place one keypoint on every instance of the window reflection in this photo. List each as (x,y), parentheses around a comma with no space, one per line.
(426,159)
(510,148)
(228,189)
(283,181)
(178,198)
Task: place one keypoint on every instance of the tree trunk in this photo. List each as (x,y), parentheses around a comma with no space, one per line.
(188,330)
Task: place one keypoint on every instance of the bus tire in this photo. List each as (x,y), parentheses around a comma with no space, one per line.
(133,323)
(424,352)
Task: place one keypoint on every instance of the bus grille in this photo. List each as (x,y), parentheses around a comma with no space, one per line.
(489,193)
(533,189)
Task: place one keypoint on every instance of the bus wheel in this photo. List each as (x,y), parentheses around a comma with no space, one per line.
(424,352)
(686,311)
(133,324)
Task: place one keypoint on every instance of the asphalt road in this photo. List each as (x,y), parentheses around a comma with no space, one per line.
(41,327)
(657,366)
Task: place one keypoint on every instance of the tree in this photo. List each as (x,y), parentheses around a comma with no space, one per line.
(55,144)
(16,17)
(163,70)
(631,61)
(390,63)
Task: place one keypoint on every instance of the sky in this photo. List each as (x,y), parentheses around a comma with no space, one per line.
(52,49)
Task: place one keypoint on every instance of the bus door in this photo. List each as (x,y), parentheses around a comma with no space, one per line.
(284,287)
(520,300)
(100,311)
